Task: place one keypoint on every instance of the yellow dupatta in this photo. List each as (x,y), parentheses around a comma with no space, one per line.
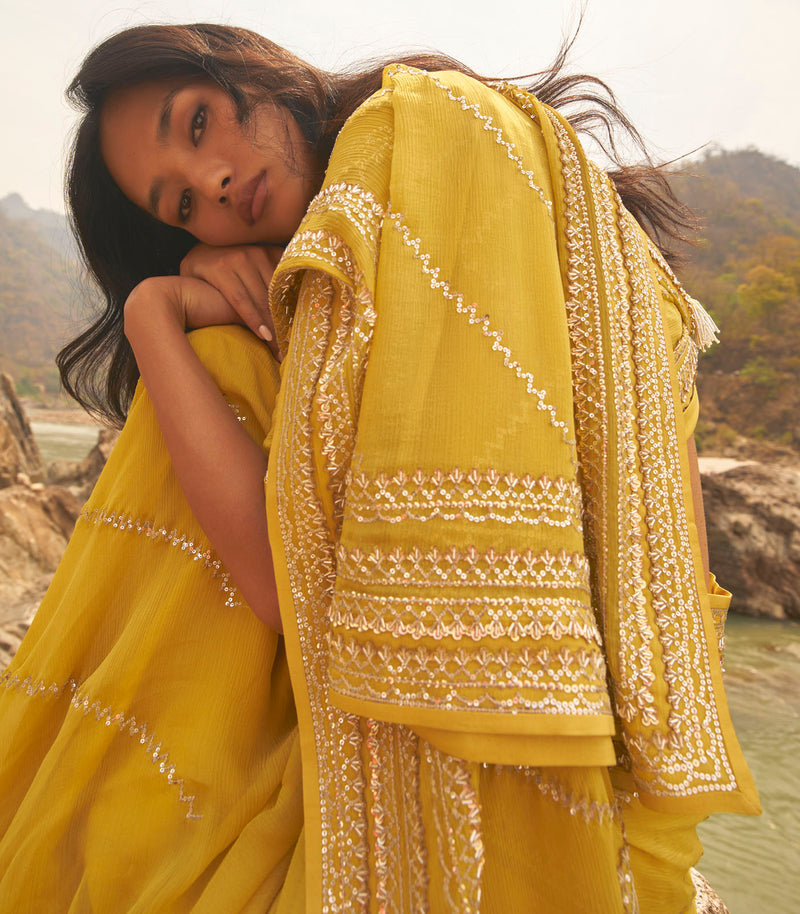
(478,493)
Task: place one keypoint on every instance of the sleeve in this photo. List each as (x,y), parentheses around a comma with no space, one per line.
(680,331)
(680,319)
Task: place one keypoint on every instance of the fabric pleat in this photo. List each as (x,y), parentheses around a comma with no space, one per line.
(149,759)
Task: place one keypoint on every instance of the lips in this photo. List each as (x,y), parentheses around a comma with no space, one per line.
(252,198)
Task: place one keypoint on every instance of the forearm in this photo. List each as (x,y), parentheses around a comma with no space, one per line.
(219,467)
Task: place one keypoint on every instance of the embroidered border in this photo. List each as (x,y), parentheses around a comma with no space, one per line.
(401,873)
(107,716)
(685,758)
(636,678)
(360,207)
(335,405)
(588,363)
(341,784)
(126,523)
(457,494)
(514,618)
(697,748)
(464,568)
(457,818)
(542,681)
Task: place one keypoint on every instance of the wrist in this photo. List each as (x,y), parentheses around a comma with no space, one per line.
(152,307)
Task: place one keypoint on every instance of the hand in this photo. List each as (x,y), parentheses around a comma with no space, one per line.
(242,274)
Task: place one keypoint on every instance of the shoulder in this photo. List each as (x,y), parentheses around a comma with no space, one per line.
(411,85)
(406,86)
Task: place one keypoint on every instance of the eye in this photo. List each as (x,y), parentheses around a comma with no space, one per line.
(184,206)
(198,124)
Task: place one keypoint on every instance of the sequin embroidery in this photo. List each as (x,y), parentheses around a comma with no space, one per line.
(126,523)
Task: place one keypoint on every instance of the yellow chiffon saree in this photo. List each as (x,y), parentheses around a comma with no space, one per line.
(505,683)
(149,759)
(502,648)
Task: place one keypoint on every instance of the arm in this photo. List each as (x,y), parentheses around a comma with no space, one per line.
(220,469)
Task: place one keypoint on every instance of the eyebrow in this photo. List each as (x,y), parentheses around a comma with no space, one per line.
(162,136)
(155,196)
(162,133)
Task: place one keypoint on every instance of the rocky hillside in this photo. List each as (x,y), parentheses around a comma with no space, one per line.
(39,293)
(753,520)
(51,227)
(746,270)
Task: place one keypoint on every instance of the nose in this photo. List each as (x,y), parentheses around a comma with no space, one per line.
(213,183)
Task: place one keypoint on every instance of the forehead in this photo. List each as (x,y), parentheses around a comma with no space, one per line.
(128,135)
(135,108)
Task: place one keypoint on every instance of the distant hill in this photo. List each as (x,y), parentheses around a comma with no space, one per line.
(51,227)
(746,271)
(39,288)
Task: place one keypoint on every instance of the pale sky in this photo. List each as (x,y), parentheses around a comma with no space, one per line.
(688,72)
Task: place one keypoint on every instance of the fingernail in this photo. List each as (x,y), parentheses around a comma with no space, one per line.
(263,332)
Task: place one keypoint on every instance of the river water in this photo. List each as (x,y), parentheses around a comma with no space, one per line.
(754,863)
(58,441)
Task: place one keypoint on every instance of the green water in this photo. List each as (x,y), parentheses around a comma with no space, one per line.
(754,863)
(64,442)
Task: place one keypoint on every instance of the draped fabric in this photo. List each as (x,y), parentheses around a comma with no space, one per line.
(149,759)
(480,511)
(505,681)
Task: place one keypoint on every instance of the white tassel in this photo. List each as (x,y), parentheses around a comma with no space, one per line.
(704,330)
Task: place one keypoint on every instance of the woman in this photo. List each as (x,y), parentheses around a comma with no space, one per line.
(479,502)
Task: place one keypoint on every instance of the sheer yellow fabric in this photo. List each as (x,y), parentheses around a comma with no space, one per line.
(505,672)
(499,639)
(148,747)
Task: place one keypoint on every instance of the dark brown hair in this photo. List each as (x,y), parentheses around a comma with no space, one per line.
(122,245)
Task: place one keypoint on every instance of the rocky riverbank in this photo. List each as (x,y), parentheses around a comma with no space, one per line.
(39,503)
(753,521)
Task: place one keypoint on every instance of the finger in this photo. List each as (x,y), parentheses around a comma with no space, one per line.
(267,330)
(240,298)
(243,276)
(272,345)
(255,275)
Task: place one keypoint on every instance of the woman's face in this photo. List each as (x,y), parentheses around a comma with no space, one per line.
(178,151)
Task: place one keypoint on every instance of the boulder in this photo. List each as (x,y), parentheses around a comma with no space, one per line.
(38,510)
(19,452)
(34,529)
(11,634)
(706,899)
(81,475)
(753,520)
(35,524)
